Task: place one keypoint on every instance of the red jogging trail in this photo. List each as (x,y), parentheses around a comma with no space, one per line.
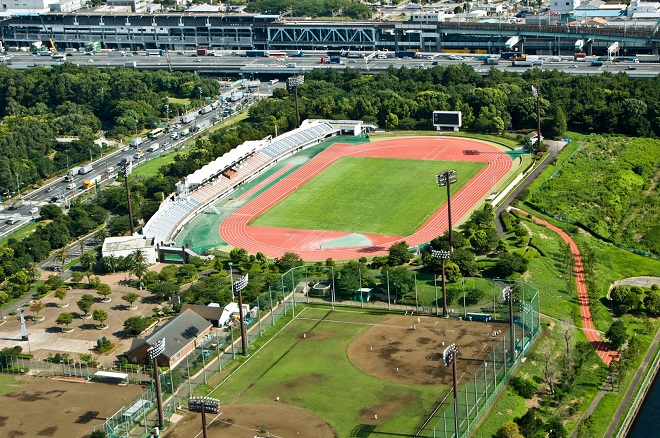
(604,352)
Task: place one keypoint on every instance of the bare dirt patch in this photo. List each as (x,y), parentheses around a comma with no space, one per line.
(394,351)
(56,409)
(254,420)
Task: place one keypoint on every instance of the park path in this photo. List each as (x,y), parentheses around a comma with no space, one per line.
(603,351)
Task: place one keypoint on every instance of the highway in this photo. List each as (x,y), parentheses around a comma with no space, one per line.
(61,192)
(234,65)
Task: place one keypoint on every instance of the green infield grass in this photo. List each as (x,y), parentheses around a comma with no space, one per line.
(368,195)
(317,375)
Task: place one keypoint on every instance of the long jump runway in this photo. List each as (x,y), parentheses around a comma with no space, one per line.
(308,244)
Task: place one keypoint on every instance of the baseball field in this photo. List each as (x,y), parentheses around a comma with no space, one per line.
(344,373)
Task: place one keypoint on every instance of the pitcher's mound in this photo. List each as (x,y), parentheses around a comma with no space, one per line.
(254,420)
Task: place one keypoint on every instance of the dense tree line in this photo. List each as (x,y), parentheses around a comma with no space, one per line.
(40,104)
(311,8)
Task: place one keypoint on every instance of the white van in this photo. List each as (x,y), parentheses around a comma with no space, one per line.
(154,147)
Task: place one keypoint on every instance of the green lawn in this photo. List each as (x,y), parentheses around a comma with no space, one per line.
(318,376)
(150,168)
(8,383)
(368,195)
(180,101)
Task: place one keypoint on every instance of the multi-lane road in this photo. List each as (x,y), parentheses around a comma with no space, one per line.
(61,191)
(233,64)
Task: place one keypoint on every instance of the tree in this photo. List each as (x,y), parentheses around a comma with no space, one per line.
(87,261)
(60,294)
(4,297)
(85,303)
(98,434)
(104,291)
(652,302)
(287,261)
(617,334)
(567,330)
(50,211)
(77,276)
(165,290)
(100,315)
(509,430)
(64,319)
(555,427)
(136,325)
(238,255)
(529,424)
(37,307)
(62,256)
(138,264)
(130,298)
(399,254)
(548,366)
(509,263)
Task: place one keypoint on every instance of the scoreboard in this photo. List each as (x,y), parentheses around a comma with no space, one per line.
(447,119)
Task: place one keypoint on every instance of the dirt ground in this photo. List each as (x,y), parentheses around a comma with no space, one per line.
(252,421)
(417,353)
(43,407)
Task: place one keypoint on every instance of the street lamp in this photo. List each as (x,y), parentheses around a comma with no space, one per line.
(167,112)
(125,172)
(295,82)
(153,352)
(449,357)
(442,255)
(507,295)
(443,179)
(201,102)
(204,405)
(239,286)
(537,93)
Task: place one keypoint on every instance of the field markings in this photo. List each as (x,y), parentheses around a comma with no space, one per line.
(216,418)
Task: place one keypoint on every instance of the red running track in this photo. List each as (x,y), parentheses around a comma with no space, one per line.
(604,352)
(265,182)
(308,244)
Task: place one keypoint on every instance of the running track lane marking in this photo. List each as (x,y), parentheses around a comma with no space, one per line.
(604,352)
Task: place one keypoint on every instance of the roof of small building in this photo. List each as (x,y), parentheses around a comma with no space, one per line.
(210,313)
(177,332)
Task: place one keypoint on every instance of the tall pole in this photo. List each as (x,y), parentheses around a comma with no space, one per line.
(442,255)
(205,432)
(239,286)
(537,93)
(447,178)
(449,357)
(231,280)
(126,171)
(294,82)
(297,110)
(153,353)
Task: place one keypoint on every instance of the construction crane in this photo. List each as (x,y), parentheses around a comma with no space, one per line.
(48,33)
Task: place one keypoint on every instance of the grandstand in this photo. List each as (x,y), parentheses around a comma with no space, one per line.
(222,176)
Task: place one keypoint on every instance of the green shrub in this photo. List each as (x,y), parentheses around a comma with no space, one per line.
(524,387)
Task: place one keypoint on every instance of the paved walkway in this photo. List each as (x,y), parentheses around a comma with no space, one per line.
(603,351)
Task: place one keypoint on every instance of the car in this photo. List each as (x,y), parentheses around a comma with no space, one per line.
(630,67)
(420,65)
(179,52)
(573,66)
(49,189)
(110,169)
(54,198)
(197,60)
(193,55)
(12,221)
(34,210)
(166,144)
(434,63)
(352,61)
(90,60)
(70,186)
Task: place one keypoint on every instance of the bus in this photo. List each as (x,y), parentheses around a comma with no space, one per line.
(280,55)
(59,57)
(156,132)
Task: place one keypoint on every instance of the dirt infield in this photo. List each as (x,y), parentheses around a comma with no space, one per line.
(42,407)
(253,420)
(309,243)
(417,353)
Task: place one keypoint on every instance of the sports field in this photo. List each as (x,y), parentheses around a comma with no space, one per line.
(359,194)
(357,372)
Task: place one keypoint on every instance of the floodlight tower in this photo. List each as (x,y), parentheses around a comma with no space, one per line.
(537,93)
(239,286)
(507,295)
(153,352)
(204,405)
(443,179)
(449,357)
(442,255)
(295,82)
(125,172)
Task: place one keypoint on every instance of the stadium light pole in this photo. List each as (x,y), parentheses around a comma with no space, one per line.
(204,405)
(126,172)
(231,280)
(295,82)
(239,286)
(153,352)
(507,295)
(449,357)
(442,255)
(443,179)
(537,93)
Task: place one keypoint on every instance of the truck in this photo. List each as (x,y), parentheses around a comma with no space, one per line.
(73,171)
(16,204)
(91,182)
(291,65)
(153,148)
(84,170)
(130,64)
(648,58)
(295,53)
(225,96)
(202,52)
(93,47)
(138,154)
(405,54)
(335,60)
(492,61)
(256,53)
(126,160)
(116,53)
(13,219)
(155,52)
(522,64)
(236,95)
(579,56)
(207,109)
(188,118)
(137,142)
